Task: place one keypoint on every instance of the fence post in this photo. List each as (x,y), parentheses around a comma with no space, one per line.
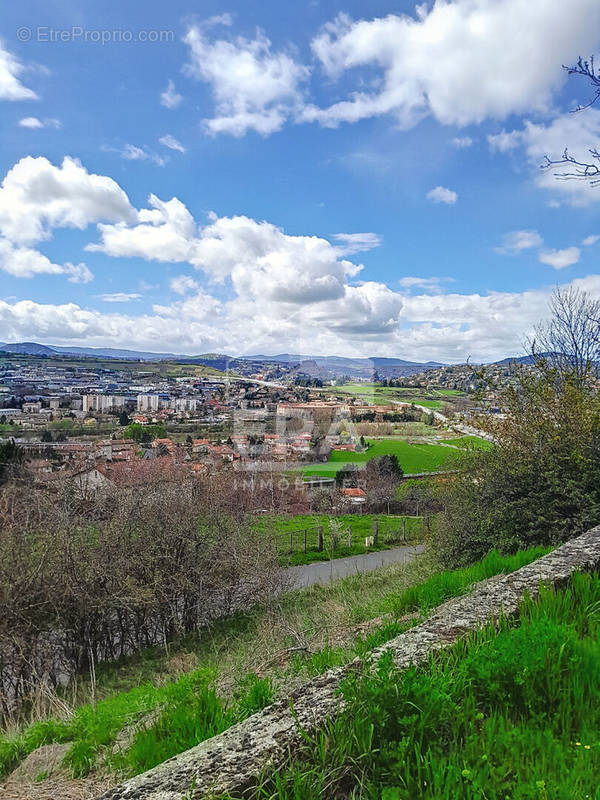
(376,532)
(305,538)
(320,538)
(291,542)
(404,528)
(349,535)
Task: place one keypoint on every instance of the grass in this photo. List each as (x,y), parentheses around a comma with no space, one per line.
(469,442)
(290,533)
(511,712)
(413,458)
(377,393)
(238,665)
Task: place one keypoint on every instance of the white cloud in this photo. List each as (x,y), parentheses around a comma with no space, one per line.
(516,241)
(504,141)
(31,122)
(350,243)
(36,196)
(460,142)
(590,240)
(426,284)
(577,132)
(132,152)
(183,284)
(370,319)
(34,122)
(79,273)
(254,87)
(24,262)
(120,297)
(278,290)
(442,195)
(559,259)
(169,98)
(452,60)
(172,143)
(11,87)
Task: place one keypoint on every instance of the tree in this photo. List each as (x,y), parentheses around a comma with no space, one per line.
(383,476)
(580,170)
(124,418)
(47,436)
(348,477)
(570,339)
(11,457)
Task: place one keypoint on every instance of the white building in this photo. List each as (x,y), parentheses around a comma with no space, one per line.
(102,402)
(148,402)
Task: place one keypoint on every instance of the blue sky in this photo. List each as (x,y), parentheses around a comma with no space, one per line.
(327,177)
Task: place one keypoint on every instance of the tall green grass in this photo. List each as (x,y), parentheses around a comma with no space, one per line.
(508,714)
(451,583)
(165,720)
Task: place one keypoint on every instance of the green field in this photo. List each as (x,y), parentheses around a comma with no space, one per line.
(377,393)
(295,547)
(413,458)
(469,443)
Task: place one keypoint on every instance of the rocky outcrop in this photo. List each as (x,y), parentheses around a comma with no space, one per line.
(231,761)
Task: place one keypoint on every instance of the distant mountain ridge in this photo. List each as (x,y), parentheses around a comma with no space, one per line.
(324,367)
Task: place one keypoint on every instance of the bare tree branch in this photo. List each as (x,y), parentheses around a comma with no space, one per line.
(583,170)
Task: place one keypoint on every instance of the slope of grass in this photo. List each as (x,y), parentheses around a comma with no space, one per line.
(512,712)
(169,717)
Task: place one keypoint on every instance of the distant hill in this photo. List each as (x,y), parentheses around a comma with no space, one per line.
(334,366)
(28,348)
(325,367)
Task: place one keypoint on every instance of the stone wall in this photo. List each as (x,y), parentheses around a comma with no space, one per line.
(231,761)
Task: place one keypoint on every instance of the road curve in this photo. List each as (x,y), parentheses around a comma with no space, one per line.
(326,571)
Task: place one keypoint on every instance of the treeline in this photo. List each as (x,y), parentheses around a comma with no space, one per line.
(540,484)
(84,580)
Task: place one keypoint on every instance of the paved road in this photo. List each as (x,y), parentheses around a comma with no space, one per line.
(325,571)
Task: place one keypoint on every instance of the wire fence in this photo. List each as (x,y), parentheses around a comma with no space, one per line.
(334,536)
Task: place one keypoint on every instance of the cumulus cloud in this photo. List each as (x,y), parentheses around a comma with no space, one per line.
(254,87)
(442,195)
(577,132)
(299,292)
(11,70)
(24,262)
(448,327)
(169,98)
(451,60)
(36,196)
(172,143)
(517,241)
(183,284)
(34,122)
(559,259)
